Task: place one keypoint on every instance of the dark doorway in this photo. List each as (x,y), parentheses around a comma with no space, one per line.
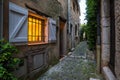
(71,33)
(61,37)
(112,36)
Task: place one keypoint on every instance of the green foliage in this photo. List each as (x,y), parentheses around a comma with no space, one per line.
(82,31)
(91,17)
(7,62)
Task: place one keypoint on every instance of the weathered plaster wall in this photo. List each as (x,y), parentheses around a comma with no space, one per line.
(50,53)
(51,8)
(63,10)
(75,12)
(117,33)
(75,21)
(73,40)
(63,15)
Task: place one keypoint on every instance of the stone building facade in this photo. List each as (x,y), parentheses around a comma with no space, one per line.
(39,47)
(108,56)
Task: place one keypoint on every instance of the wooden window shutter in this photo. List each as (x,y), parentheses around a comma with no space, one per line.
(17,23)
(52,30)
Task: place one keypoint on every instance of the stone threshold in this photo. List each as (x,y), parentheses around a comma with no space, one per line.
(108,73)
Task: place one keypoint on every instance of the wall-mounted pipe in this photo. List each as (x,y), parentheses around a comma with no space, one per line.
(68,15)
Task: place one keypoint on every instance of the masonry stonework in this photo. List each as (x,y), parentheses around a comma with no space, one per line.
(110,20)
(39,57)
(30,53)
(117,29)
(105,26)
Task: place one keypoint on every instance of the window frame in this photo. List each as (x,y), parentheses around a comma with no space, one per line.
(37,16)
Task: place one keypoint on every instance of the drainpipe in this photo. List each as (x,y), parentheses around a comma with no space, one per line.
(68,15)
(1,19)
(68,24)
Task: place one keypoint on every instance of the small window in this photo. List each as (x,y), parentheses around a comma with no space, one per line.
(36,28)
(74,6)
(76,30)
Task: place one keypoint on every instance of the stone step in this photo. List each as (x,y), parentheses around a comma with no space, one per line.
(93,79)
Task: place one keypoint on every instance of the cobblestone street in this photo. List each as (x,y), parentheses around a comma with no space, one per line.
(74,66)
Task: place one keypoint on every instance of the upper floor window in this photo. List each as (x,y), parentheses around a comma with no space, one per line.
(74,6)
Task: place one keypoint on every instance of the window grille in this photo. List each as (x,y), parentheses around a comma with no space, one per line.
(36,28)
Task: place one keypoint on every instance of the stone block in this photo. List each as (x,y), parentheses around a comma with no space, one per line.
(108,74)
(105,21)
(105,54)
(117,30)
(117,46)
(105,8)
(22,70)
(38,61)
(93,79)
(117,8)
(106,35)
(117,64)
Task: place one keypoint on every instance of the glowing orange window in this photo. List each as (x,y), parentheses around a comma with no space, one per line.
(36,28)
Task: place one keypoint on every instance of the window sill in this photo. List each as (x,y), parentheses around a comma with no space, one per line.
(38,43)
(27,43)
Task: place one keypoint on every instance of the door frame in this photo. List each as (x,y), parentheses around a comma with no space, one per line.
(62,23)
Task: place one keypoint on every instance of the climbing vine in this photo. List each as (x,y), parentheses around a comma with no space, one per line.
(91,28)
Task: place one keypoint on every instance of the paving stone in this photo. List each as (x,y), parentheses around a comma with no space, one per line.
(94,79)
(73,67)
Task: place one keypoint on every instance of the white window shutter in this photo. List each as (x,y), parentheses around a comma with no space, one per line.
(52,30)
(17,23)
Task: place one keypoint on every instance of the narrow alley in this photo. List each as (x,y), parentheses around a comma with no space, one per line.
(59,39)
(74,66)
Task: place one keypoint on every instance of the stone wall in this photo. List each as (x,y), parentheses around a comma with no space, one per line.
(74,21)
(63,10)
(75,13)
(117,33)
(105,31)
(37,57)
(105,35)
(46,53)
(51,8)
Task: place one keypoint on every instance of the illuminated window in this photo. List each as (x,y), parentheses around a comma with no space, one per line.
(36,28)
